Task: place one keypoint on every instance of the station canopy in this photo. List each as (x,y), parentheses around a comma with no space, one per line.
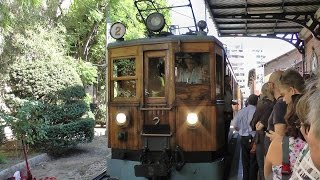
(282,19)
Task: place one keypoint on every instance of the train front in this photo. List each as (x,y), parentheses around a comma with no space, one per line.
(165,109)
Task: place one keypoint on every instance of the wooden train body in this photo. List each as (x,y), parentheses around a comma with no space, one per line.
(165,120)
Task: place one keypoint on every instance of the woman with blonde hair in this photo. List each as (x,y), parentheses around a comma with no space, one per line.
(259,124)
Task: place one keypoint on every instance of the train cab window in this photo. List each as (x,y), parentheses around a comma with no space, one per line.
(155,86)
(192,68)
(123,77)
(192,75)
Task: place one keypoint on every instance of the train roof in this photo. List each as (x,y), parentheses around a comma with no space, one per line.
(164,39)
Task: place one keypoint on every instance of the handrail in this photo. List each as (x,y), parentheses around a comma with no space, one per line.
(156,135)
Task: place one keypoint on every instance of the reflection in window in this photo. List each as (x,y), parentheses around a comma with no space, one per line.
(156,77)
(192,68)
(192,75)
(219,76)
(124,88)
(124,67)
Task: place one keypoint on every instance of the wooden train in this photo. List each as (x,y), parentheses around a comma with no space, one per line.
(166,105)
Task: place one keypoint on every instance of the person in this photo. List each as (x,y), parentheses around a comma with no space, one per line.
(190,72)
(276,120)
(156,78)
(228,111)
(242,124)
(304,167)
(313,136)
(258,123)
(291,85)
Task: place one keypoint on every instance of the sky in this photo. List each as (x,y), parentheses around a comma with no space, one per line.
(183,17)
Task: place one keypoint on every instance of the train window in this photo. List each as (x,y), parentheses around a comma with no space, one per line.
(155,77)
(219,76)
(124,67)
(123,77)
(192,75)
(192,68)
(124,89)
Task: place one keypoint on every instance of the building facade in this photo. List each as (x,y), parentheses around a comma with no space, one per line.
(291,59)
(244,59)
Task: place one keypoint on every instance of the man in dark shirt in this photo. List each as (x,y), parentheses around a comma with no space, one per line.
(276,121)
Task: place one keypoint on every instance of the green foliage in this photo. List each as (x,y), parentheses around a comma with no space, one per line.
(88,73)
(28,124)
(9,9)
(2,136)
(2,158)
(63,136)
(46,95)
(41,79)
(33,43)
(100,114)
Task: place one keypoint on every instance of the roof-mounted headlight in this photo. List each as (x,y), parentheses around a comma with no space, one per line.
(155,22)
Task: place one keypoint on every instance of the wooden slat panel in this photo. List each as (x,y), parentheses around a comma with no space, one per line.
(161,114)
(192,91)
(125,51)
(219,50)
(154,47)
(134,139)
(203,137)
(195,47)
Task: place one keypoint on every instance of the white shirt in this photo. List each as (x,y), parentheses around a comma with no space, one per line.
(191,77)
(243,119)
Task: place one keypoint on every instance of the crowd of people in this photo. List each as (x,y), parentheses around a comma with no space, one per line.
(280,129)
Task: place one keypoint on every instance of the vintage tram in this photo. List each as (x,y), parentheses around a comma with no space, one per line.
(165,106)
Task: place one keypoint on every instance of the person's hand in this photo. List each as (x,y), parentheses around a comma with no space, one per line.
(272,135)
(236,128)
(259,126)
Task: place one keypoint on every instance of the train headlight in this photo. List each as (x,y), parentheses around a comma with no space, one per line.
(155,22)
(192,119)
(121,119)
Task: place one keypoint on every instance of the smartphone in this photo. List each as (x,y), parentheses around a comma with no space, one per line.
(267,131)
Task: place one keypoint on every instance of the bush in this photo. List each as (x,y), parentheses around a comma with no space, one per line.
(48,105)
(3,159)
(61,137)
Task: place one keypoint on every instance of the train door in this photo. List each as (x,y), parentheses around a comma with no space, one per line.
(155,122)
(155,102)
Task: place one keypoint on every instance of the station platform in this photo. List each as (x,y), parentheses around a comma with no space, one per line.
(233,169)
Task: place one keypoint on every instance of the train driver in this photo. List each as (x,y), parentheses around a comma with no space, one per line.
(190,71)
